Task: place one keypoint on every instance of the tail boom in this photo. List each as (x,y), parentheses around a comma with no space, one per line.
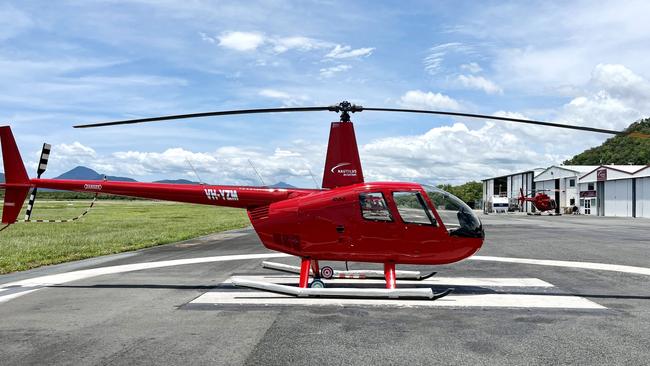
(229,196)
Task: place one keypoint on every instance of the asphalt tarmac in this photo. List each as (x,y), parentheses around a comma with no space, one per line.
(167,305)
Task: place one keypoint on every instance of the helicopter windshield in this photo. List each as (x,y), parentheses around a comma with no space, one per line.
(459,218)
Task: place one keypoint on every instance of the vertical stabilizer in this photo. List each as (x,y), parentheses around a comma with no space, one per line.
(14,169)
(16,180)
(342,166)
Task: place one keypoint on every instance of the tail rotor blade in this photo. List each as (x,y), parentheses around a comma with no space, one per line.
(30,204)
(45,157)
(42,166)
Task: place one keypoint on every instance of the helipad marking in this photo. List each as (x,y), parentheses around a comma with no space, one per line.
(498,300)
(483,300)
(571,264)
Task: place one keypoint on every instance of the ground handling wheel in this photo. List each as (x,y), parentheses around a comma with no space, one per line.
(327,272)
(317,284)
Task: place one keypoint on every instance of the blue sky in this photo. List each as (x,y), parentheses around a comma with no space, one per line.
(63,63)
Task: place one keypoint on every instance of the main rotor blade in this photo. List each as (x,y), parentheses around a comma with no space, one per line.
(518,120)
(205,114)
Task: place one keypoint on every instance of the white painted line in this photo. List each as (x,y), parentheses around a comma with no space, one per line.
(57,279)
(438,281)
(61,278)
(483,301)
(570,264)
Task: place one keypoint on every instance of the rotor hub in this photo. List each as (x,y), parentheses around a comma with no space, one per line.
(345,108)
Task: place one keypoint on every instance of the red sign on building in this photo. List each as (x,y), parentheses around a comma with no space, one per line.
(601,175)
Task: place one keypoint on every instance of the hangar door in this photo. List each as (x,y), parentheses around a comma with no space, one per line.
(643,197)
(618,197)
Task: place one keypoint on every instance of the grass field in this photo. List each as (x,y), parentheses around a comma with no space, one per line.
(112,226)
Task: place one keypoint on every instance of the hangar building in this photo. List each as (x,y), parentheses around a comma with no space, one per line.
(605,190)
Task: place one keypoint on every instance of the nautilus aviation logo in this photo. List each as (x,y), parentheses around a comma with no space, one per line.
(338,168)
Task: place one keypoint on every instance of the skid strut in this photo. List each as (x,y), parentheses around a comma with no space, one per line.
(389,275)
(354,274)
(305,265)
(369,293)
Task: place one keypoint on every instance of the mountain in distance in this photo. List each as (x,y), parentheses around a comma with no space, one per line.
(281,185)
(176,181)
(84,173)
(619,150)
(2,178)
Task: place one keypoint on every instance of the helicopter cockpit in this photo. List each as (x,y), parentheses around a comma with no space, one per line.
(457,216)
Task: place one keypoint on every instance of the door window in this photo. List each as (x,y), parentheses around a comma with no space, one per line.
(412,209)
(373,207)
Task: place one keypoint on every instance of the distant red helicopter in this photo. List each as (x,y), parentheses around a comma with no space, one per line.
(347,220)
(540,200)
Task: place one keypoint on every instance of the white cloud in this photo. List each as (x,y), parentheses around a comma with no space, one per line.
(76,149)
(67,155)
(297,43)
(226,165)
(428,100)
(613,98)
(254,41)
(621,82)
(241,41)
(339,52)
(472,67)
(286,98)
(479,83)
(433,63)
(330,71)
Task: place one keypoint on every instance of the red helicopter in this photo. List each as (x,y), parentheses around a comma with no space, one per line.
(347,220)
(540,200)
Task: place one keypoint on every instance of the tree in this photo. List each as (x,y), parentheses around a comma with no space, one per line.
(620,150)
(469,192)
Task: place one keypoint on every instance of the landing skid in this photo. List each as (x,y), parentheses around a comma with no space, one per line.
(356,274)
(368,293)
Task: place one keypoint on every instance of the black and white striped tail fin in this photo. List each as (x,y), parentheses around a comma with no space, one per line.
(42,166)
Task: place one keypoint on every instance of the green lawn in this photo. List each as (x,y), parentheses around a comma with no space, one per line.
(112,226)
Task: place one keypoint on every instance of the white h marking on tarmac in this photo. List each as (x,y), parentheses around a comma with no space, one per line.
(494,300)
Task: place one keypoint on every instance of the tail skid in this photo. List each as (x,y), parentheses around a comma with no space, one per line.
(17,181)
